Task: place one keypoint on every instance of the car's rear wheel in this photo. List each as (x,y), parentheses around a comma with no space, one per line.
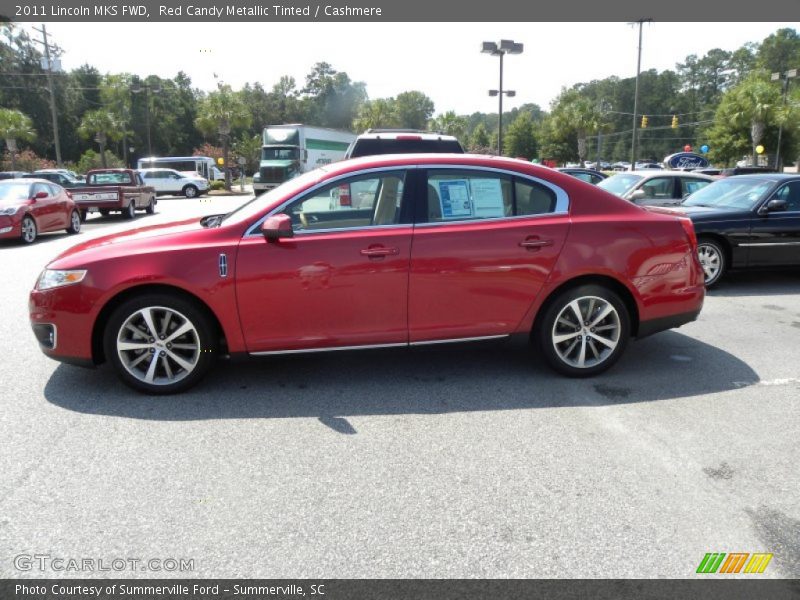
(712,259)
(190,191)
(28,229)
(584,330)
(105,212)
(160,344)
(130,210)
(74,222)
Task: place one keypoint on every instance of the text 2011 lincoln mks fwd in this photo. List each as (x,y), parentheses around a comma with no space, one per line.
(377,252)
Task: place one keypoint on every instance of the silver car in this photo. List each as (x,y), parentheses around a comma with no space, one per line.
(654,188)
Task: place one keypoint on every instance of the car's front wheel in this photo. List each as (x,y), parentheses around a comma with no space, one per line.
(712,259)
(584,330)
(160,344)
(190,191)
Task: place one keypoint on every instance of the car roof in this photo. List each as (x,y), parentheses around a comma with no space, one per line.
(650,173)
(763,176)
(27,180)
(395,134)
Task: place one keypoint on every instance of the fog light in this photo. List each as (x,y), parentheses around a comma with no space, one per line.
(45,334)
(5,229)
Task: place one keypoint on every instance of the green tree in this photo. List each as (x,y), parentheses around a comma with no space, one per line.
(450,123)
(220,113)
(479,141)
(757,104)
(15,126)
(576,114)
(249,148)
(100,125)
(780,51)
(520,139)
(413,109)
(375,114)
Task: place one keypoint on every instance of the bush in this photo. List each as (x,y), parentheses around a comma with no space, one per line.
(27,160)
(216,185)
(91,160)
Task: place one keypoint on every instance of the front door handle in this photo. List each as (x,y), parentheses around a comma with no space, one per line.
(379,251)
(535,243)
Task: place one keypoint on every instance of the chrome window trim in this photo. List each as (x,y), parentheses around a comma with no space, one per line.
(377,346)
(562,198)
(253,229)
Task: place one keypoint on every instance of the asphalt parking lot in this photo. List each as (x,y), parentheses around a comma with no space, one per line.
(436,463)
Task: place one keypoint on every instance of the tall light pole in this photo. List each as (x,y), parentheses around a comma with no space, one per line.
(636,93)
(50,64)
(148,90)
(505,47)
(791,74)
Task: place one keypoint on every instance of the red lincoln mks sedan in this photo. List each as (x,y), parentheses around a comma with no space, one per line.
(376,252)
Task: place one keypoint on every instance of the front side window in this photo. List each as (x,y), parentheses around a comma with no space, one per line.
(791,194)
(658,187)
(364,201)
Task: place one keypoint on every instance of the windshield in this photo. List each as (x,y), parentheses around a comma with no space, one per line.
(619,184)
(275,153)
(258,204)
(734,192)
(11,192)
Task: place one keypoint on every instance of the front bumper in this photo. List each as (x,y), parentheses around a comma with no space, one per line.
(66,311)
(10,226)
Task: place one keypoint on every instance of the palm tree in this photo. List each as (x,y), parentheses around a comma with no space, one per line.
(220,113)
(15,125)
(102,125)
(376,113)
(450,123)
(579,115)
(756,104)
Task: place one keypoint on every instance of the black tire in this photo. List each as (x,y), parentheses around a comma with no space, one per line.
(203,337)
(151,206)
(74,222)
(105,212)
(130,211)
(190,191)
(713,259)
(28,231)
(598,356)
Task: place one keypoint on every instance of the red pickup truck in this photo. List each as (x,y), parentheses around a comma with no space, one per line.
(115,190)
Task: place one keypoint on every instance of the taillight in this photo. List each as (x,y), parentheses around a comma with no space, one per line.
(409,137)
(68,193)
(344,195)
(688,227)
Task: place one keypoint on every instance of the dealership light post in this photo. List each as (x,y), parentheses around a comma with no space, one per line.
(505,47)
(148,90)
(791,74)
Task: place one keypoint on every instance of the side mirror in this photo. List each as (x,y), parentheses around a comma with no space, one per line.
(774,205)
(276,227)
(39,196)
(638,195)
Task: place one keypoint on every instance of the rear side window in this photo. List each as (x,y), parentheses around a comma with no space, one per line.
(369,147)
(690,186)
(455,195)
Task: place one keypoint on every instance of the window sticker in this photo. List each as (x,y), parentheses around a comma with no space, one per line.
(454,196)
(487,198)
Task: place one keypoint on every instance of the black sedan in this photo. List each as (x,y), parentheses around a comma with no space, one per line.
(747,221)
(588,175)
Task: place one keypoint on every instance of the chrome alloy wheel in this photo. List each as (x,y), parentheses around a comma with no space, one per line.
(28,230)
(158,345)
(710,260)
(586,332)
(75,221)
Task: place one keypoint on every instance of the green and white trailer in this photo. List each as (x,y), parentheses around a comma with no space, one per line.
(289,150)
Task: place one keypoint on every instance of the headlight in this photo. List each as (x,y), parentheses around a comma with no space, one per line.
(257,177)
(52,279)
(10,210)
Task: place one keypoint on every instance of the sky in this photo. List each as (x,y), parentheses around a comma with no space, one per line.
(442,60)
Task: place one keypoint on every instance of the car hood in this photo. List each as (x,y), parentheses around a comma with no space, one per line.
(711,213)
(128,243)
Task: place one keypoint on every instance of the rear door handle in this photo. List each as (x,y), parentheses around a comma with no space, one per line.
(379,252)
(535,244)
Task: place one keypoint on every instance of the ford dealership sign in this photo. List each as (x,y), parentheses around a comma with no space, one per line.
(685,160)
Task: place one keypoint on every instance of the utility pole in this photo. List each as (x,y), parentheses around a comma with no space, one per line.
(636,93)
(49,69)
